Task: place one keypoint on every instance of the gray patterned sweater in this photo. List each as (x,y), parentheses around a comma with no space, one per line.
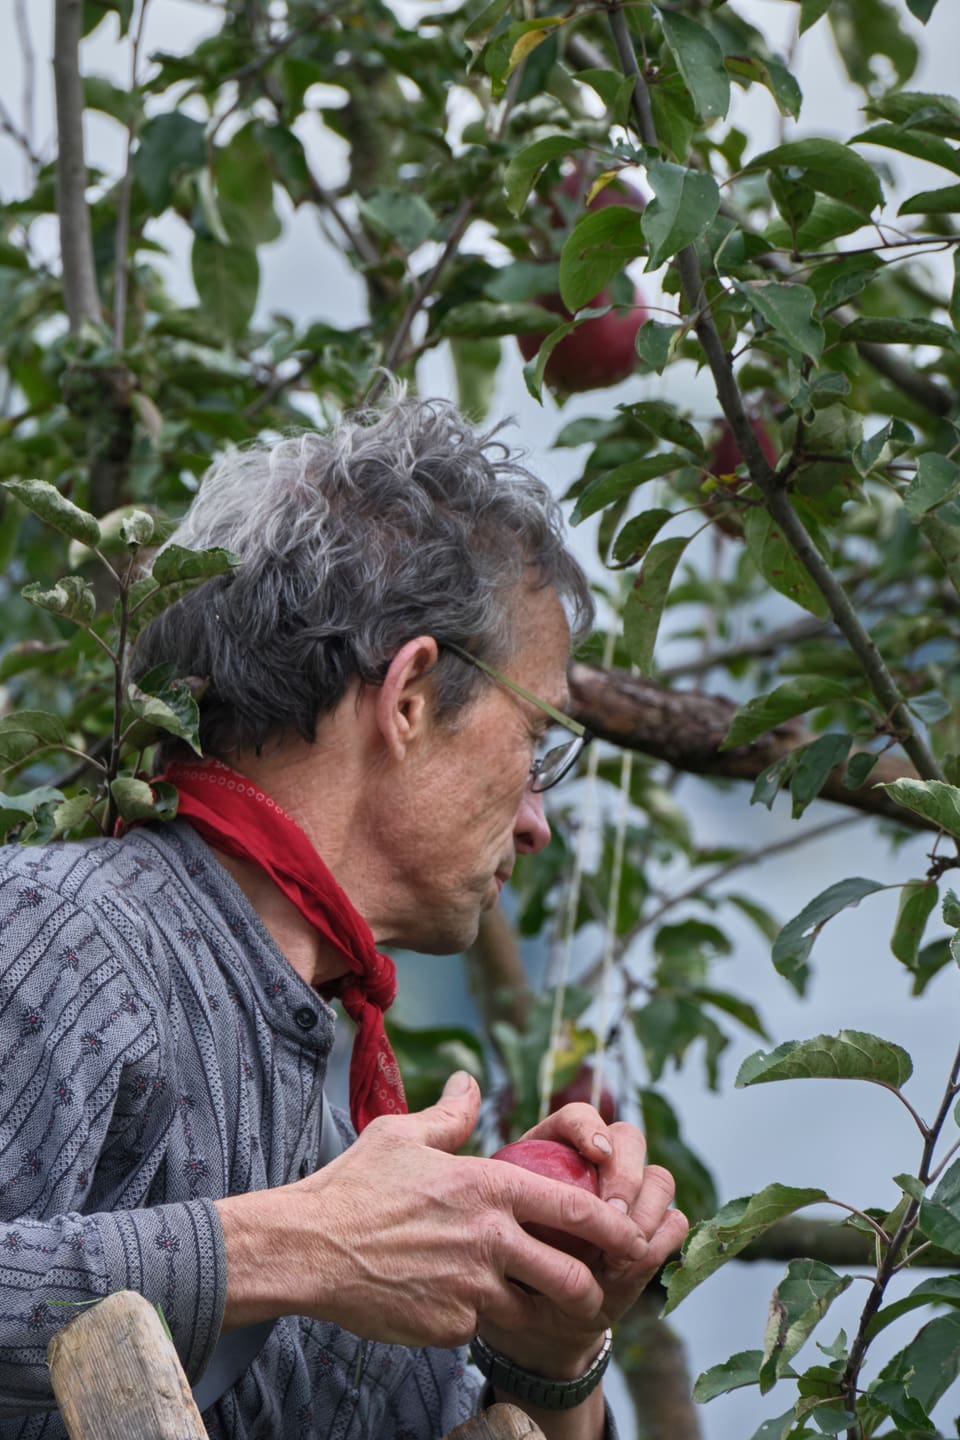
(157,1052)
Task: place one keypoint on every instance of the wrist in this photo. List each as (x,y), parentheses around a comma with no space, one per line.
(545,1391)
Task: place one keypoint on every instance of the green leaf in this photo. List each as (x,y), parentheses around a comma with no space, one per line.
(172,710)
(934,799)
(741,1369)
(787,310)
(661,420)
(244,189)
(482,26)
(798,1304)
(778,563)
(170,145)
(910,141)
(399,215)
(792,946)
(136,800)
(811,11)
(645,603)
(655,344)
(815,763)
(601,243)
(227,280)
(917,901)
(526,166)
(828,167)
(26,734)
(945,201)
(684,203)
(850,1055)
(922,9)
(46,501)
(176,571)
(713,1242)
(932,1290)
(475,366)
(481,319)
(71,598)
(930,1363)
(794,697)
(859,768)
(955,291)
(638,534)
(699,59)
(623,480)
(774,75)
(889,330)
(14,809)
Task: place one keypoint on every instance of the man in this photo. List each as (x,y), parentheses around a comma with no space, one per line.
(367,781)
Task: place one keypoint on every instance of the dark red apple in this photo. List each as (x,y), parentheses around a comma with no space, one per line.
(556,1161)
(725,455)
(600,352)
(580,1091)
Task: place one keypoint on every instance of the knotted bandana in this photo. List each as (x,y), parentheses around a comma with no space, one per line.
(232,814)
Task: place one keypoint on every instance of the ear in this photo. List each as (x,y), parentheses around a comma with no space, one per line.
(404,699)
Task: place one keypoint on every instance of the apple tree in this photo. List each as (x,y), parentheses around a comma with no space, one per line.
(572,183)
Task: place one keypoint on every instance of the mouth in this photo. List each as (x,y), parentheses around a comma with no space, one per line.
(501,876)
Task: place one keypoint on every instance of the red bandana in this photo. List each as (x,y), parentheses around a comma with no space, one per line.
(232,814)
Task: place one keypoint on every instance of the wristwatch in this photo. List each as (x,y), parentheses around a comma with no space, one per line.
(512,1379)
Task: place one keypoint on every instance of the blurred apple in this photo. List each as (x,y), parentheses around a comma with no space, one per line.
(580,1090)
(599,352)
(556,1160)
(724,457)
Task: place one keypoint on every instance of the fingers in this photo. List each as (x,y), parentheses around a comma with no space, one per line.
(448,1123)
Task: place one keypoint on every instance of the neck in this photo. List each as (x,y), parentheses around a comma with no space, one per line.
(291,932)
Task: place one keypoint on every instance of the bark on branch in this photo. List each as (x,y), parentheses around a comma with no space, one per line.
(686,727)
(76,240)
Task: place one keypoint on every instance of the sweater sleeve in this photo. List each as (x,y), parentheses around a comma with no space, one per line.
(82,1058)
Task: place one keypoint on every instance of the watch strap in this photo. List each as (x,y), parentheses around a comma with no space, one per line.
(505,1375)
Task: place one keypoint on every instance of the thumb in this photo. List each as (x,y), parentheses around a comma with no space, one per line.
(448,1123)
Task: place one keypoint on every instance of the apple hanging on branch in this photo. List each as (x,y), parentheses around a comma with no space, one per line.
(724,459)
(601,351)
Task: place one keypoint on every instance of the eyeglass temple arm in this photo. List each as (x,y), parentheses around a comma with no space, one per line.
(556,715)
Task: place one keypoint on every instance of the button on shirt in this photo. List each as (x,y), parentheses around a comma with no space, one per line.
(157,1052)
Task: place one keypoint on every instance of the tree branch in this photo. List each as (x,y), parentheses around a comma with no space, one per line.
(686,728)
(80,293)
(761,472)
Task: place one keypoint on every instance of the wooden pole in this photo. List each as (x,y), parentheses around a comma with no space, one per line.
(500,1422)
(117,1376)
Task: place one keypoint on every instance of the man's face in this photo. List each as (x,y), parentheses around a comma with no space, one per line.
(466,810)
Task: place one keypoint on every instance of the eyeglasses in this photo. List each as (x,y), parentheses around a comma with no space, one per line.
(557,761)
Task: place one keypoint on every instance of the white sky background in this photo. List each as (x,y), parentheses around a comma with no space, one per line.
(849,1139)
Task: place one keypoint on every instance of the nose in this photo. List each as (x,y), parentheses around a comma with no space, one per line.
(531,832)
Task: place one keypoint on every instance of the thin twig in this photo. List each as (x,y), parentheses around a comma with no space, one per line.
(126,191)
(28,91)
(81,297)
(888,1264)
(739,862)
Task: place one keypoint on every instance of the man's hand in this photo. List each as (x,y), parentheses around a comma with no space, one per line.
(556,1342)
(399,1239)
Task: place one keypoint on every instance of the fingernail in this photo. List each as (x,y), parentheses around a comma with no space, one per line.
(639,1248)
(458,1083)
(617,1203)
(602,1143)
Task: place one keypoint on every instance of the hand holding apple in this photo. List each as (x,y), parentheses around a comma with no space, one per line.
(556,1160)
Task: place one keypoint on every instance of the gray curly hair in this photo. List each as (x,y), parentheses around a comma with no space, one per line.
(394,524)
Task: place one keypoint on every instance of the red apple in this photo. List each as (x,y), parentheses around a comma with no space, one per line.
(725,456)
(600,352)
(557,1161)
(580,1090)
